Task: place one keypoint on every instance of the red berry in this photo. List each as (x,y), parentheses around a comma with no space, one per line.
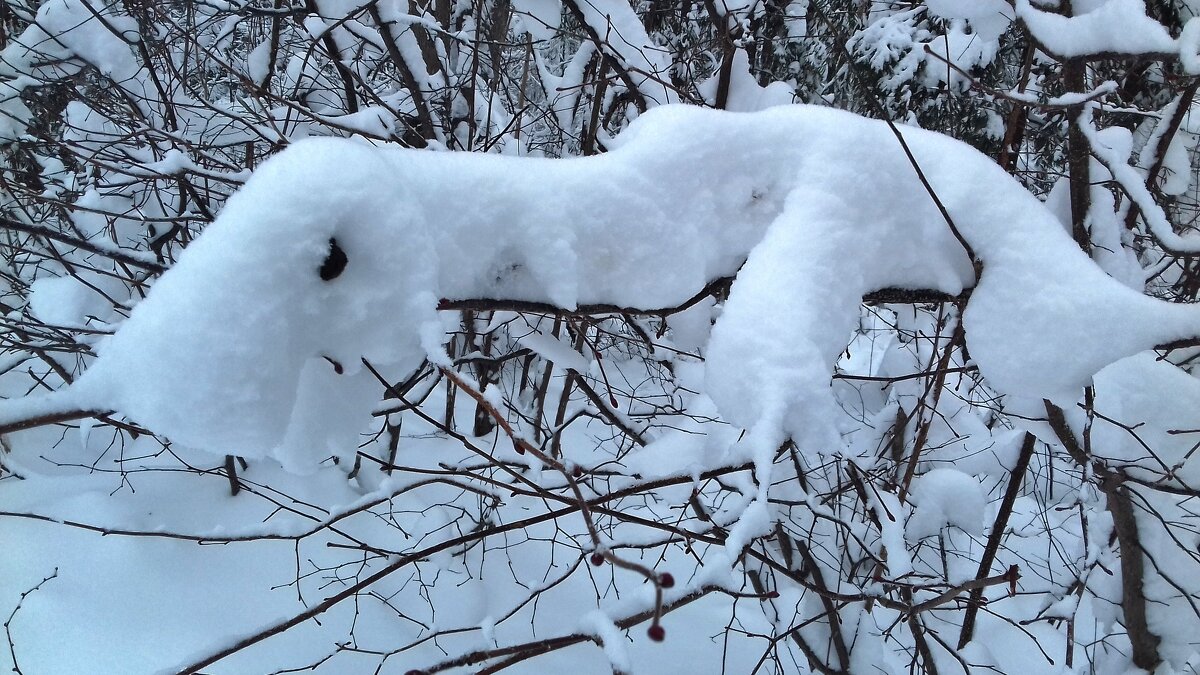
(666,580)
(656,633)
(597,559)
(771,595)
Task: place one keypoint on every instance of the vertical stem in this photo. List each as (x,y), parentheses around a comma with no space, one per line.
(938,383)
(560,415)
(231,474)
(539,406)
(335,57)
(1078,158)
(1016,477)
(424,118)
(1014,132)
(1125,529)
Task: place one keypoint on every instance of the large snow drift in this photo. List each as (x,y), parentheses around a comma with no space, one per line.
(821,206)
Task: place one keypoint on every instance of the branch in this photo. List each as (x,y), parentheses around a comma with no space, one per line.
(12,647)
(1183,104)
(976,587)
(639,99)
(108,252)
(56,417)
(1133,565)
(993,545)
(571,506)
(424,118)
(885,295)
(350,591)
(528,650)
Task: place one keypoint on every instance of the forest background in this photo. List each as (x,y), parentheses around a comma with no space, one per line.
(958,529)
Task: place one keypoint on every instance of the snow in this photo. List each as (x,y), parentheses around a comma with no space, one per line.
(754,522)
(1130,393)
(988,18)
(541,18)
(890,513)
(1145,421)
(599,624)
(552,349)
(1114,159)
(64,29)
(893,38)
(240,329)
(1189,47)
(945,497)
(104,44)
(1177,169)
(624,36)
(57,403)
(691,327)
(257,62)
(904,44)
(776,420)
(1118,26)
(64,301)
(955,52)
(744,93)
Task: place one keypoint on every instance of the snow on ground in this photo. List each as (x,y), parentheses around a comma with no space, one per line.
(148,604)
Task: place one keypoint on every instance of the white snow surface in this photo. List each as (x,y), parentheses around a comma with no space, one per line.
(226,353)
(945,497)
(1118,26)
(541,18)
(989,18)
(1129,392)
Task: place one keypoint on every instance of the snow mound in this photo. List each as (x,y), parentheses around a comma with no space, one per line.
(945,497)
(821,207)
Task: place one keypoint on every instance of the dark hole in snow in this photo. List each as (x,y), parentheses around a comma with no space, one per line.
(334,263)
(337,367)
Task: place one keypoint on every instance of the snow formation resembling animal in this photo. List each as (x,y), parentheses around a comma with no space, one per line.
(811,208)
